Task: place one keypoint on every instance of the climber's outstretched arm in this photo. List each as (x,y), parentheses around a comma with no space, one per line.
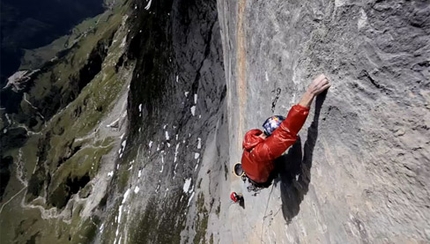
(286,135)
(317,86)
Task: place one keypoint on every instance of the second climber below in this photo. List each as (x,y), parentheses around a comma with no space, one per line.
(260,149)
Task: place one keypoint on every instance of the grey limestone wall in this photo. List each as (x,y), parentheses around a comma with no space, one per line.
(361,170)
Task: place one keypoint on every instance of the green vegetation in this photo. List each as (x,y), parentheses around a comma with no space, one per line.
(201,220)
(160,221)
(66,154)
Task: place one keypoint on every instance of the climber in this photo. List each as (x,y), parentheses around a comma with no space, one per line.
(261,149)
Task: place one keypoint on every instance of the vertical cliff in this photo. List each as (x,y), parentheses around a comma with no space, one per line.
(131,134)
(360,173)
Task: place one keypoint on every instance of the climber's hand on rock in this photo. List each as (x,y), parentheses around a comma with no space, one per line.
(319,85)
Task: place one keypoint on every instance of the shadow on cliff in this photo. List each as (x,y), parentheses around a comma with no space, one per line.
(294,168)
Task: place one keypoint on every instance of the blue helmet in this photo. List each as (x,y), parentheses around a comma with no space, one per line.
(272,123)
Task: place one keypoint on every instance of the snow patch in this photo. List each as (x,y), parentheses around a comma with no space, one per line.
(125,196)
(139,173)
(196,155)
(186,94)
(150,144)
(193,110)
(119,214)
(148,5)
(199,143)
(167,135)
(136,189)
(362,20)
(174,170)
(189,200)
(123,42)
(176,153)
(187,185)
(195,98)
(110,174)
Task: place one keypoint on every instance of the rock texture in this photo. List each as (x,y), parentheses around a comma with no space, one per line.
(363,177)
(139,145)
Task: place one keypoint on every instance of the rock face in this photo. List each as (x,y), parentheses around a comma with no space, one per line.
(139,145)
(363,168)
(175,108)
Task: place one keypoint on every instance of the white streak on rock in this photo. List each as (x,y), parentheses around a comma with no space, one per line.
(119,214)
(199,143)
(125,196)
(193,110)
(176,153)
(187,185)
(148,5)
(362,20)
(113,124)
(189,200)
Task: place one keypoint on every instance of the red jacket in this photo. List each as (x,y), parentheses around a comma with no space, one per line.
(258,153)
